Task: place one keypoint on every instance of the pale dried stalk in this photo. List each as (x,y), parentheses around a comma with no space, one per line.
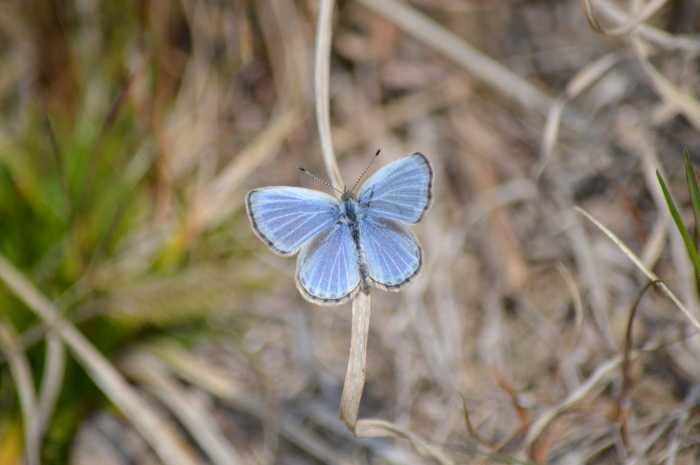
(380,428)
(147,369)
(638,262)
(54,369)
(578,84)
(24,381)
(322,60)
(602,374)
(159,434)
(218,200)
(657,36)
(649,10)
(481,66)
(194,369)
(687,103)
(355,376)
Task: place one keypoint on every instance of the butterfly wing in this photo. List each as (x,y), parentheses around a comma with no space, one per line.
(400,191)
(328,271)
(394,256)
(286,218)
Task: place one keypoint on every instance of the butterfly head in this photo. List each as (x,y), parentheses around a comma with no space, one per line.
(347,195)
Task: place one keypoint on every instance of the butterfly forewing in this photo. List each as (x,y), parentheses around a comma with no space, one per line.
(286,218)
(393,254)
(400,191)
(328,272)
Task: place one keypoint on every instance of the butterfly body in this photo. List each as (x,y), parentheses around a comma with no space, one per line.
(347,245)
(351,217)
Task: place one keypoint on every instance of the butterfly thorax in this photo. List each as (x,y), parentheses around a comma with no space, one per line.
(350,215)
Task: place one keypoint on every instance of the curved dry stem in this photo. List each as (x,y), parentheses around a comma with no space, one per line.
(657,36)
(647,12)
(381,428)
(603,373)
(355,376)
(578,321)
(578,84)
(638,262)
(324,34)
(687,103)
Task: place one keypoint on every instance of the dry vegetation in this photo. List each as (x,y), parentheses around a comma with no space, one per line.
(141,321)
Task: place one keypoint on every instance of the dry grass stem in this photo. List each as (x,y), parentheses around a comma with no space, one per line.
(22,375)
(219,199)
(636,260)
(52,380)
(155,429)
(653,34)
(357,360)
(197,420)
(577,85)
(380,428)
(476,63)
(685,102)
(647,12)
(322,65)
(597,380)
(201,373)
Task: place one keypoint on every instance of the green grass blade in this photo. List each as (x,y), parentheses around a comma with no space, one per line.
(689,244)
(692,188)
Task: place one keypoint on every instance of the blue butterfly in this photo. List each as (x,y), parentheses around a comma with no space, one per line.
(346,245)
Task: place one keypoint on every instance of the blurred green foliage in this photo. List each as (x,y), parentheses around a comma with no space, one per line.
(80,174)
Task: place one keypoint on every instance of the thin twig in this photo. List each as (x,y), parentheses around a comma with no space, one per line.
(578,322)
(470,428)
(621,411)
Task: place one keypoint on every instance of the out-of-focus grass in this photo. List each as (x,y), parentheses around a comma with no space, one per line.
(81,173)
(130,132)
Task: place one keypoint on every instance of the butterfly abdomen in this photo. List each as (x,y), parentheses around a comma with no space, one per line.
(352,214)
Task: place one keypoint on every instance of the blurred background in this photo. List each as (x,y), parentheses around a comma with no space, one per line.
(130,133)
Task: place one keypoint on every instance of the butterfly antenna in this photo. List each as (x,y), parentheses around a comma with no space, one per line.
(319,180)
(366,169)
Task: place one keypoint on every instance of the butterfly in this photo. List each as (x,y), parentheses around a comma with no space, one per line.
(347,245)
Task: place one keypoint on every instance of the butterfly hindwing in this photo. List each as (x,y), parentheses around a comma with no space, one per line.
(400,191)
(286,218)
(327,270)
(394,256)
